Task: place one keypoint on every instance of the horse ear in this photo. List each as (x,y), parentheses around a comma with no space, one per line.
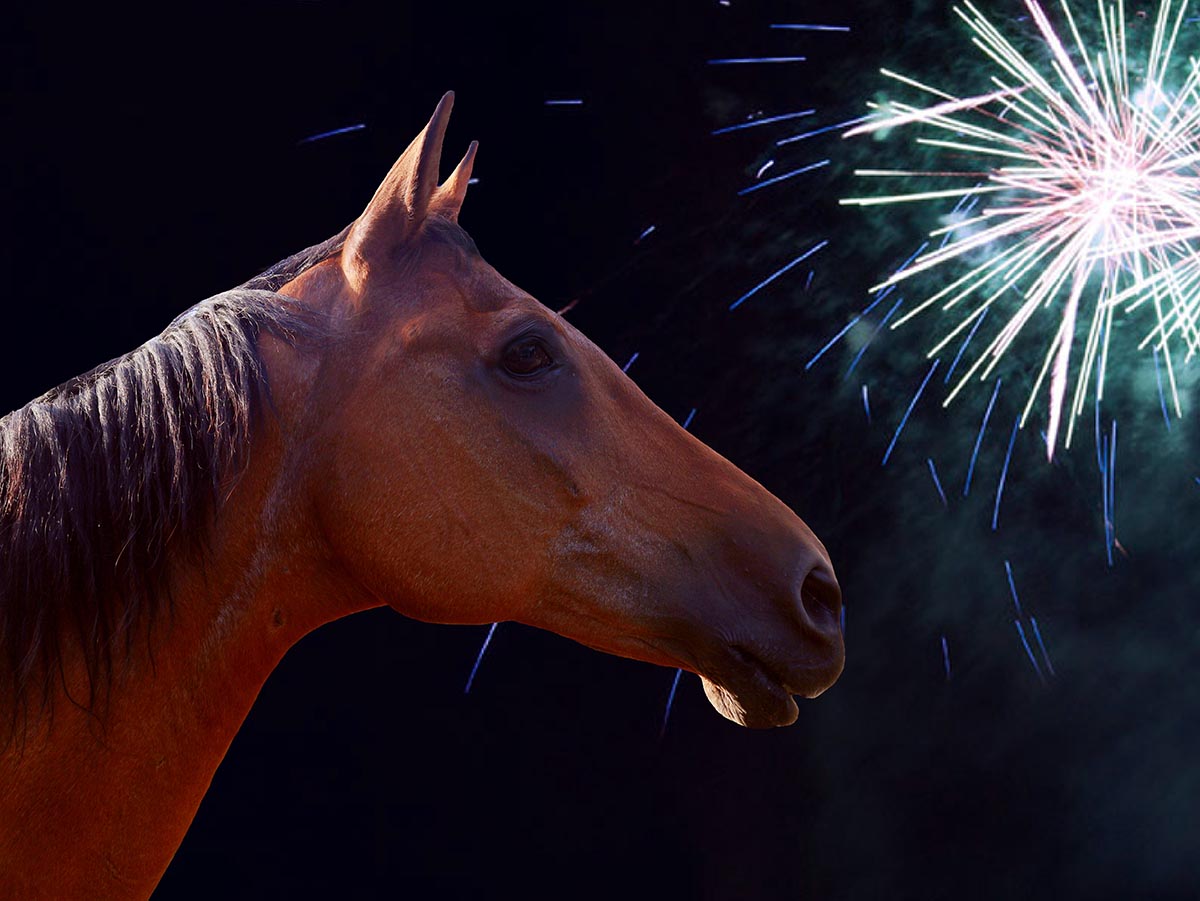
(402,201)
(449,198)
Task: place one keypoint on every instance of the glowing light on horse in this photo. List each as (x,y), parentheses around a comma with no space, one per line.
(382,419)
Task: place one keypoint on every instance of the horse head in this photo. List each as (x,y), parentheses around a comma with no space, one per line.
(473,458)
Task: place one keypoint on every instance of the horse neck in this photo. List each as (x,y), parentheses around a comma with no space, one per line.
(96,805)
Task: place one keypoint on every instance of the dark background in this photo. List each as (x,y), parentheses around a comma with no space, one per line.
(152,160)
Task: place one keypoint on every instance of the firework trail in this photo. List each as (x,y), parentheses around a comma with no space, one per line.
(1085,156)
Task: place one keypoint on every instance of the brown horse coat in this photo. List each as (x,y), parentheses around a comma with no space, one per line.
(381,420)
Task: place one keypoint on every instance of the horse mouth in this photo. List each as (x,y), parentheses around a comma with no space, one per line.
(758,695)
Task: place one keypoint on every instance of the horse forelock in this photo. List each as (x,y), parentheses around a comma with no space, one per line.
(104,476)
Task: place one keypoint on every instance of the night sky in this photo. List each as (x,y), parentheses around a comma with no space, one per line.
(153,160)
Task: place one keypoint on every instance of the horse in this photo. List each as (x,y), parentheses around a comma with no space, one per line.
(381,419)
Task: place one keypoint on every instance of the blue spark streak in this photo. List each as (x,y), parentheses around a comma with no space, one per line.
(1004,474)
(763,168)
(1029,650)
(937,483)
(821,131)
(756,59)
(767,121)
(1038,635)
(813,27)
(916,253)
(632,360)
(670,701)
(979,440)
(778,178)
(645,234)
(849,325)
(329,134)
(958,206)
(479,659)
(963,349)
(862,350)
(770,278)
(832,341)
(867,407)
(1104,502)
(1012,586)
(808,281)
(1162,400)
(908,412)
(687,422)
(1112,491)
(946,657)
(574,101)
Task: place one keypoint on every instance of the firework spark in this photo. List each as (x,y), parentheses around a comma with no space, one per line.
(1088,159)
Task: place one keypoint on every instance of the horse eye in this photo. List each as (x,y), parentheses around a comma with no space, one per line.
(527,357)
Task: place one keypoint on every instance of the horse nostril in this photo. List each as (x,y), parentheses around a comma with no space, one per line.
(820,592)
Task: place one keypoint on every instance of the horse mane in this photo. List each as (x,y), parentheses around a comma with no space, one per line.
(103,475)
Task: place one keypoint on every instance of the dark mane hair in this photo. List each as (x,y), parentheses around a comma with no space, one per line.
(103,475)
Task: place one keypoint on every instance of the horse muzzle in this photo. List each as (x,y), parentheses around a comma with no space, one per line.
(753,679)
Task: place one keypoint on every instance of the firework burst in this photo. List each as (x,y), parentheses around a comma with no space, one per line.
(1078,185)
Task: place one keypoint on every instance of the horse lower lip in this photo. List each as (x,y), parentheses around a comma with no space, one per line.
(763,670)
(778,682)
(754,701)
(802,681)
(745,688)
